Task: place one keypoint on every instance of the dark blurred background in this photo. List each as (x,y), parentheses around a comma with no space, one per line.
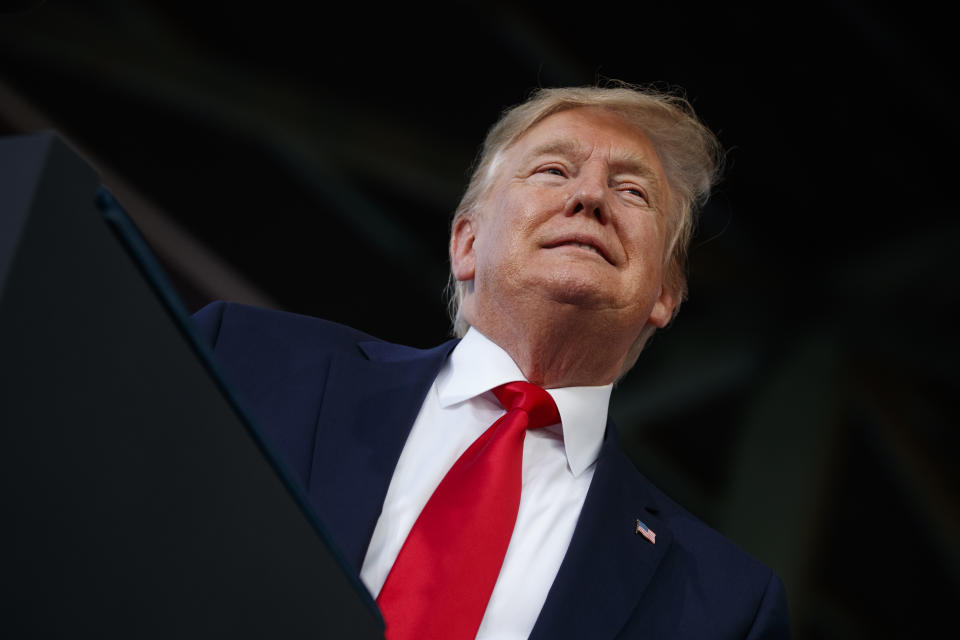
(804,400)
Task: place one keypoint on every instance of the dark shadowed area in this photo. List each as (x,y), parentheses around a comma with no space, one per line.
(803,402)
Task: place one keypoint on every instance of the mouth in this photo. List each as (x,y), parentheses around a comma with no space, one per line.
(579,242)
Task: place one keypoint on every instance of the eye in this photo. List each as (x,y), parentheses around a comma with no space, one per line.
(553,170)
(636,193)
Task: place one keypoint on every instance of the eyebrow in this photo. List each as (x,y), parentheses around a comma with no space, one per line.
(562,147)
(634,164)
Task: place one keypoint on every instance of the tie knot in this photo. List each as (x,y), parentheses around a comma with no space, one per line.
(531,399)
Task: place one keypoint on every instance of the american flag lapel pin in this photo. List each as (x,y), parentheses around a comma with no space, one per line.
(644,530)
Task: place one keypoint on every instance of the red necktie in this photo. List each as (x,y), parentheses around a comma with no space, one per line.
(443,577)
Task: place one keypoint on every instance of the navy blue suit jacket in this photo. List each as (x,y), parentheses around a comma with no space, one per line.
(336,406)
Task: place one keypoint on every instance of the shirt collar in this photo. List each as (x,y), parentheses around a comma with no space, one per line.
(478,365)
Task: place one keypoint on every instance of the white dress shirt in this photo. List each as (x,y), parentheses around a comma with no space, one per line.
(558,465)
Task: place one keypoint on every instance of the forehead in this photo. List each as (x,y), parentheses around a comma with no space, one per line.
(584,130)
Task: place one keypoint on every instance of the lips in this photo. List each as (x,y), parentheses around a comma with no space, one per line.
(582,242)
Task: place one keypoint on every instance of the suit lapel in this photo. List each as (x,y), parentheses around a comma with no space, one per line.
(607,566)
(369,404)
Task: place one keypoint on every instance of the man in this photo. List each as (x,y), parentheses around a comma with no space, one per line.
(567,252)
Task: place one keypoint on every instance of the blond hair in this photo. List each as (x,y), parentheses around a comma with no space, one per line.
(689,152)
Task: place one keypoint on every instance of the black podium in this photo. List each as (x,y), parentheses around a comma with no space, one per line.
(137,500)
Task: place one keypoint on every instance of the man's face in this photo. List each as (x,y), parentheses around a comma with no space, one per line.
(576,214)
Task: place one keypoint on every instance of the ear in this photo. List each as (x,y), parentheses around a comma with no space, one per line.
(462,258)
(662,312)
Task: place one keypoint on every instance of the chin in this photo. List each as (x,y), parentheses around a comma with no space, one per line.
(577,291)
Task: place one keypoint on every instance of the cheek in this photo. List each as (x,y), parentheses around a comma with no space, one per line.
(647,239)
(507,226)
(513,221)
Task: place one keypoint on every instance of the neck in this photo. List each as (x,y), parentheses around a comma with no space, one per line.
(567,347)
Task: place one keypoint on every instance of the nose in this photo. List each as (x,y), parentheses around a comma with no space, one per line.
(589,197)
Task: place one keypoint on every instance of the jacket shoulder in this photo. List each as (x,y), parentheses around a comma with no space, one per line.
(725,585)
(277,364)
(222,324)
